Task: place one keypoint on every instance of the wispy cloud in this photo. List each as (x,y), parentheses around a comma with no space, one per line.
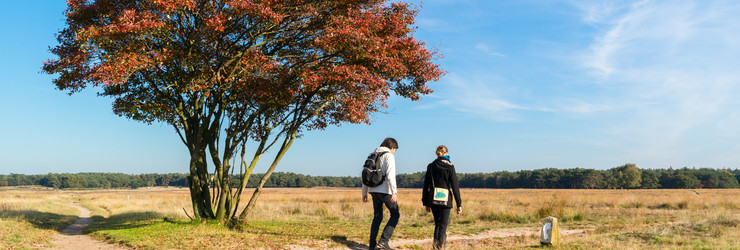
(487,50)
(583,107)
(482,95)
(676,58)
(656,81)
(437,25)
(476,96)
(597,12)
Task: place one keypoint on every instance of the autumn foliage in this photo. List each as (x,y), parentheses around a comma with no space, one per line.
(238,75)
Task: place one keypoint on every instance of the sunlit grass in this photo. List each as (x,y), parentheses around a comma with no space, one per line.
(30,216)
(331,217)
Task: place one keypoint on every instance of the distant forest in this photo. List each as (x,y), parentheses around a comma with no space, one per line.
(626,176)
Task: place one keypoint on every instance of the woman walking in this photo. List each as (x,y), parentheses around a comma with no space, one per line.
(384,194)
(438,181)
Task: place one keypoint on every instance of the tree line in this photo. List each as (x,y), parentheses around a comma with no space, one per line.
(627,176)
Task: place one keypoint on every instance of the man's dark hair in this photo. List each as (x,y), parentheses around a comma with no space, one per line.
(389,143)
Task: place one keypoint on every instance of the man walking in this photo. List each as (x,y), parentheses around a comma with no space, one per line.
(384,194)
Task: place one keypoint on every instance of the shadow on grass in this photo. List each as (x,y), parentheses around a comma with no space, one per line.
(125,221)
(54,221)
(542,246)
(41,220)
(350,244)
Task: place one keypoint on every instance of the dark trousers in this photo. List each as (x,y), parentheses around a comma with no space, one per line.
(378,201)
(441,220)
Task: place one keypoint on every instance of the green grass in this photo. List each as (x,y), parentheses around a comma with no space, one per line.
(151,234)
(505,217)
(162,234)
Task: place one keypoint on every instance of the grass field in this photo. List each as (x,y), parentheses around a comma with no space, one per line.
(336,217)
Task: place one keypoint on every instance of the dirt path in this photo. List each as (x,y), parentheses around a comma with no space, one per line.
(73,238)
(494,233)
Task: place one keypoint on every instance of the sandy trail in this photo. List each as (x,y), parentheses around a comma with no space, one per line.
(73,238)
(494,233)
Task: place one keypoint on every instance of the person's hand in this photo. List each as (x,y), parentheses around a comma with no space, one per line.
(394,198)
(429,209)
(364,198)
(459,210)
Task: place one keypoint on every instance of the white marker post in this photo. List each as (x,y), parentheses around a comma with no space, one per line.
(549,233)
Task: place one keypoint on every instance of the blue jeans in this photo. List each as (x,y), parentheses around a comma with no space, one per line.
(378,201)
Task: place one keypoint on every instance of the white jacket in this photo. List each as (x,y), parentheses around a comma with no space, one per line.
(388,165)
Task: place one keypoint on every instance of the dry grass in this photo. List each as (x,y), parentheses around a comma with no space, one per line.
(29,216)
(330,217)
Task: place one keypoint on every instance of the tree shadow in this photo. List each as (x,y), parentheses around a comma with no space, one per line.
(256,232)
(542,246)
(41,220)
(54,221)
(348,243)
(57,222)
(126,221)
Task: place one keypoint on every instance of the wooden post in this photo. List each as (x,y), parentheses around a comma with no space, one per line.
(549,233)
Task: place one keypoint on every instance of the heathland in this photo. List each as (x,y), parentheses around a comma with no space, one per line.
(319,218)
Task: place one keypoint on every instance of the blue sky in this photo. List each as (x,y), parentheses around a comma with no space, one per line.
(529,84)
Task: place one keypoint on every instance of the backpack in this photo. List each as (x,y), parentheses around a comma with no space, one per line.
(372,172)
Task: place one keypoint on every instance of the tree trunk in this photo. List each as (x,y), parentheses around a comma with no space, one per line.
(224,198)
(246,173)
(221,186)
(252,201)
(198,181)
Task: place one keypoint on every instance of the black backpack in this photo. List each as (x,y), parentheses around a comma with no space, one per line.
(372,172)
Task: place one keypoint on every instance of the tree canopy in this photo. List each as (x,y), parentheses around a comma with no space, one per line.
(238,75)
(628,176)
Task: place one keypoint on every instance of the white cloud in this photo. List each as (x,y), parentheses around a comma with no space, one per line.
(487,50)
(583,107)
(678,61)
(477,95)
(436,25)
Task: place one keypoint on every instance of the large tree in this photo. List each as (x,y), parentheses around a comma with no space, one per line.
(237,77)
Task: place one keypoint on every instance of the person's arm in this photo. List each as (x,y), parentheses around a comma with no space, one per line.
(456,190)
(364,193)
(426,191)
(390,163)
(425,194)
